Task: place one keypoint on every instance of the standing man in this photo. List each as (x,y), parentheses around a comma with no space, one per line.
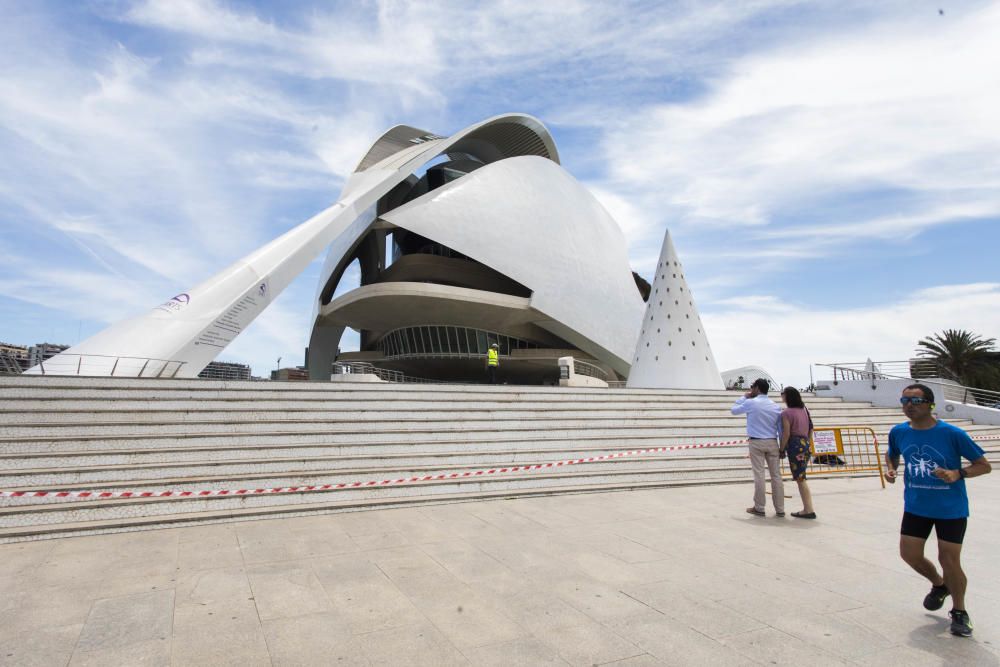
(493,362)
(934,497)
(763,418)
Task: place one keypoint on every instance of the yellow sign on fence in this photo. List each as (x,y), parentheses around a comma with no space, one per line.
(844,450)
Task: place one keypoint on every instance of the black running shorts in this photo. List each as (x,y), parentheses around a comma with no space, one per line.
(948,530)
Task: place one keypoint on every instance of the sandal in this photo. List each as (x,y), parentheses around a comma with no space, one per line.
(754,510)
(804,515)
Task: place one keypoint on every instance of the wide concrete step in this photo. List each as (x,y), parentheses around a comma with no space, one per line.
(471,397)
(133,386)
(497,423)
(363,465)
(54,518)
(40,417)
(164,446)
(86,434)
(321,470)
(37,511)
(131,522)
(89,458)
(69,443)
(398,438)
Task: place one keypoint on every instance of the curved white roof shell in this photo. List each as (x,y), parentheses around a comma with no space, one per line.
(531,220)
(731,378)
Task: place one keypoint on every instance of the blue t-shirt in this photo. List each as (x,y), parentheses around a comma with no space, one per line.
(923,451)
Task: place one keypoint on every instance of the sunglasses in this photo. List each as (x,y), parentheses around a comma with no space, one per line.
(913,400)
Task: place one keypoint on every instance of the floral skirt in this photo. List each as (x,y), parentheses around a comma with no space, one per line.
(798,456)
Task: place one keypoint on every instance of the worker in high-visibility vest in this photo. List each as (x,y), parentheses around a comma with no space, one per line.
(493,362)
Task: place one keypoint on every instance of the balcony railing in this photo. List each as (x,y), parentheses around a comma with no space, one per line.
(100,365)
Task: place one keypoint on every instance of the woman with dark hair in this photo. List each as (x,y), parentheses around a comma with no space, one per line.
(796,433)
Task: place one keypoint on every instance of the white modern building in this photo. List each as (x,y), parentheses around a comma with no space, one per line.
(461,242)
(491,241)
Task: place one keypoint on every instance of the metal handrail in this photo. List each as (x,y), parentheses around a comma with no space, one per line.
(437,355)
(983,397)
(63,364)
(590,370)
(915,369)
(389,375)
(9,365)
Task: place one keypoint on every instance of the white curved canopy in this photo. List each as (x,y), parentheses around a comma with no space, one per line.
(530,220)
(193,327)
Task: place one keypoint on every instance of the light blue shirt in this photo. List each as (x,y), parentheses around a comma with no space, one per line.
(763,416)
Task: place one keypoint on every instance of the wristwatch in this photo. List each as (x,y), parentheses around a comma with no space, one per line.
(962,473)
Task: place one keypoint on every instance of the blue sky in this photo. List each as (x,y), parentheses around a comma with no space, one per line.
(828,170)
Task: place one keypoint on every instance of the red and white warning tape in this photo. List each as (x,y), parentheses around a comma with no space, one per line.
(174,493)
(110,495)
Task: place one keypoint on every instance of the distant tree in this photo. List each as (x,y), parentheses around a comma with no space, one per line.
(964,356)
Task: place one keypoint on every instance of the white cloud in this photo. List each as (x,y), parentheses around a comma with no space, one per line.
(785,339)
(904,106)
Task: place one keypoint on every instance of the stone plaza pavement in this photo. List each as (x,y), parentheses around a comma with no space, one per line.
(655,577)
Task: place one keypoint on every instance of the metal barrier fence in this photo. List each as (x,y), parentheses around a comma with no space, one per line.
(842,450)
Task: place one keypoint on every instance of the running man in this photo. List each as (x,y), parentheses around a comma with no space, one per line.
(934,497)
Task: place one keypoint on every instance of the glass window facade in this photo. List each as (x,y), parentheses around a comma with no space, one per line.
(447,341)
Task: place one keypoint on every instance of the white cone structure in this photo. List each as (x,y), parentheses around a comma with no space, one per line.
(673,350)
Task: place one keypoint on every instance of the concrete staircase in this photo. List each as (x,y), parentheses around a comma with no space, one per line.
(73,434)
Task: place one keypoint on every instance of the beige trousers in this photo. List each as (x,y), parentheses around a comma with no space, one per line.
(764,453)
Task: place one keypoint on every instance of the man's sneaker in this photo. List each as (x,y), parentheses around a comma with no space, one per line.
(935,599)
(960,623)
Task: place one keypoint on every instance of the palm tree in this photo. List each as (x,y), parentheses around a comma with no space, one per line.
(962,355)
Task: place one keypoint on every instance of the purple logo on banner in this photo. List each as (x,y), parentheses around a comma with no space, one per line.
(175,304)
